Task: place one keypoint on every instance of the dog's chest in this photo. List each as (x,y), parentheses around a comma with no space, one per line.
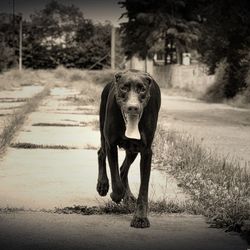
(131,145)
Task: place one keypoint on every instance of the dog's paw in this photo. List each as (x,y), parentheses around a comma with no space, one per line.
(129,198)
(118,194)
(102,187)
(138,222)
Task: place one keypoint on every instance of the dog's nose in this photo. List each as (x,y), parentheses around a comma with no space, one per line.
(133,109)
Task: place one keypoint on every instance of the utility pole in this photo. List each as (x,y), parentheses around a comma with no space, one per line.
(13,23)
(20,42)
(13,29)
(113,48)
(13,14)
(146,64)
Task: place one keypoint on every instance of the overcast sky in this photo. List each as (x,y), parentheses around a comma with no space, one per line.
(98,10)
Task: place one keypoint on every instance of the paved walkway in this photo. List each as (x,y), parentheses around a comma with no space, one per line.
(12,100)
(221,128)
(51,177)
(43,231)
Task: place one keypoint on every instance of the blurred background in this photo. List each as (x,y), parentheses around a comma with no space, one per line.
(193,46)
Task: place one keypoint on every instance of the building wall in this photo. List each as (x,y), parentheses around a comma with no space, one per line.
(140,64)
(193,76)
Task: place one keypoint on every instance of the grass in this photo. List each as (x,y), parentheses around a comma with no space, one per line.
(157,207)
(26,145)
(94,124)
(220,186)
(102,77)
(109,207)
(241,100)
(186,92)
(60,77)
(45,124)
(87,82)
(10,100)
(17,119)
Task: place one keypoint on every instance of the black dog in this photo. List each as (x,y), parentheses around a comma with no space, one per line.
(128,118)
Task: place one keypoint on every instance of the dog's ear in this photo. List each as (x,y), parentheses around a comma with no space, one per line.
(118,76)
(148,79)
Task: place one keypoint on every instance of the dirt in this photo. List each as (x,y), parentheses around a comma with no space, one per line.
(220,128)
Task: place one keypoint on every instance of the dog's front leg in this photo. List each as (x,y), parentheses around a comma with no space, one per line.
(117,186)
(140,219)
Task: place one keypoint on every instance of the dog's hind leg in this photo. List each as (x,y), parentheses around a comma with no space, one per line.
(103,182)
(129,159)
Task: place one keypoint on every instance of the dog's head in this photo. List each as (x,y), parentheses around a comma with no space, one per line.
(132,92)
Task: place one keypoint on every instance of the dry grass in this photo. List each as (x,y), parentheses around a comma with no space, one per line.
(17,119)
(85,81)
(15,78)
(186,92)
(157,207)
(101,77)
(25,145)
(60,77)
(241,100)
(45,124)
(220,186)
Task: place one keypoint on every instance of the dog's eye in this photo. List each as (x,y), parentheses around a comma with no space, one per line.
(140,89)
(124,88)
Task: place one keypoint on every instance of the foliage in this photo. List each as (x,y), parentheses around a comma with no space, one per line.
(225,34)
(8,58)
(216,92)
(153,25)
(220,31)
(56,35)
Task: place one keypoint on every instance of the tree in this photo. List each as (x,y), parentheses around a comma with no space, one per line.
(225,35)
(60,35)
(8,40)
(153,23)
(48,33)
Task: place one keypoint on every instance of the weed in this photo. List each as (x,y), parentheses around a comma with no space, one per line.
(45,124)
(17,119)
(219,185)
(109,207)
(102,77)
(26,145)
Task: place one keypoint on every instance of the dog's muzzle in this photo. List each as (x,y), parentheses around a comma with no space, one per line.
(132,118)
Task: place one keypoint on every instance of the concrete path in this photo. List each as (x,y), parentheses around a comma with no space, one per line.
(51,177)
(223,129)
(12,100)
(36,231)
